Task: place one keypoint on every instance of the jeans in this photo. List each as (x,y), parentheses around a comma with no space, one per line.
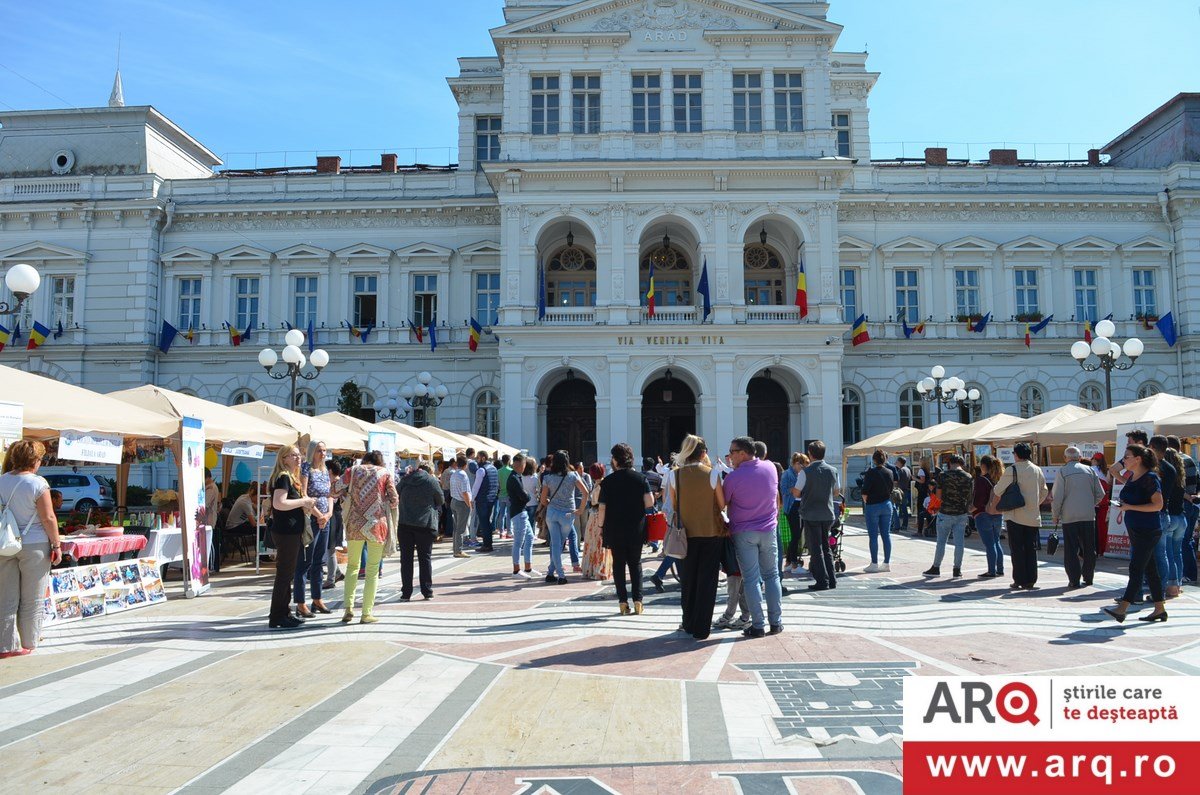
(459,521)
(561,523)
(1172,540)
(988,525)
(374,558)
(1080,541)
(950,525)
(522,537)
(483,519)
(23,580)
(1141,552)
(419,540)
(735,598)
(572,541)
(879,524)
(1191,513)
(310,561)
(665,566)
(502,514)
(757,556)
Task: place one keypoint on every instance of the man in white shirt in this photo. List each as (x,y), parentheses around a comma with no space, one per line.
(460,503)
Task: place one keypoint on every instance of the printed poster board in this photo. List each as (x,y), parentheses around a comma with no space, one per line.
(191,506)
(84,592)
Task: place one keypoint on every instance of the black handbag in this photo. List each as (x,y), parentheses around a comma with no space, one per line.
(1012,498)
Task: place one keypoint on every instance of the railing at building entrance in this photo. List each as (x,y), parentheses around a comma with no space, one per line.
(570,316)
(771,314)
(670,314)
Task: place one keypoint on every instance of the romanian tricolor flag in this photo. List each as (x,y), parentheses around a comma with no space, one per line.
(1087,331)
(910,330)
(859,334)
(4,337)
(802,291)
(417,330)
(190,335)
(476,330)
(235,336)
(650,292)
(37,335)
(1030,331)
(354,330)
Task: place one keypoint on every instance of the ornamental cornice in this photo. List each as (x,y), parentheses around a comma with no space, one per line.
(1101,211)
(336,219)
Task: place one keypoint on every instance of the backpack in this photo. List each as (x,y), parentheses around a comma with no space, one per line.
(10,532)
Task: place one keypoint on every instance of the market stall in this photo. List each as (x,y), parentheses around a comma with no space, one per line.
(871,444)
(336,437)
(408,445)
(500,448)
(1103,425)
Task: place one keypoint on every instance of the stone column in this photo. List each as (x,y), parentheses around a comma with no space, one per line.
(729,423)
(826,408)
(512,420)
(518,277)
(826,270)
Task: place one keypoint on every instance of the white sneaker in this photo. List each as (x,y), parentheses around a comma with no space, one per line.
(800,573)
(872,568)
(885,567)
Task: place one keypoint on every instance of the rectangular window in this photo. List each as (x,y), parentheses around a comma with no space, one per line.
(62,294)
(424,298)
(305,302)
(789,101)
(487,138)
(908,304)
(848,279)
(1085,294)
(545,104)
(647,103)
(1027,290)
(189,304)
(566,292)
(585,104)
(688,96)
(841,130)
(487,298)
(1144,302)
(966,291)
(763,292)
(366,300)
(247,302)
(747,102)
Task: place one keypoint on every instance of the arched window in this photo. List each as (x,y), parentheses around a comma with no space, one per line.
(241,397)
(1147,389)
(571,277)
(306,403)
(763,276)
(487,414)
(1091,396)
(423,416)
(672,276)
(1031,400)
(972,412)
(367,412)
(912,407)
(852,403)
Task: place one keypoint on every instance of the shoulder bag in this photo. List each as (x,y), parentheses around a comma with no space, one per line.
(1012,498)
(543,529)
(675,545)
(10,532)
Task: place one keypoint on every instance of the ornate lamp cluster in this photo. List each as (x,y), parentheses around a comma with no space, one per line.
(422,394)
(1107,353)
(949,392)
(294,361)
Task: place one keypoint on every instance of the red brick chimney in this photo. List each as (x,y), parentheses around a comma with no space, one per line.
(388,164)
(329,165)
(1002,157)
(1093,157)
(935,156)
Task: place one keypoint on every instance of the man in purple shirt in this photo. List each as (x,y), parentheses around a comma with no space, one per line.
(751,497)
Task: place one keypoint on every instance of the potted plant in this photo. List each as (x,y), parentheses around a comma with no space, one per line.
(1148,320)
(1029,317)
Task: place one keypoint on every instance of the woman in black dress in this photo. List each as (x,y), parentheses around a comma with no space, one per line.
(624,498)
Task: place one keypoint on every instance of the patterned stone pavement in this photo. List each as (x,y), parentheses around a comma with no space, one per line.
(507,685)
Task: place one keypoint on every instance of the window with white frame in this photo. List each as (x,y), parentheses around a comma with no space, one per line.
(789,101)
(62,296)
(424,298)
(1091,396)
(423,416)
(585,104)
(366,300)
(1026,282)
(1031,401)
(545,104)
(848,285)
(912,407)
(1144,300)
(22,319)
(1085,294)
(972,411)
(747,102)
(487,298)
(688,96)
(908,305)
(841,131)
(304,302)
(367,412)
(247,297)
(487,138)
(487,414)
(241,397)
(852,405)
(1149,389)
(647,102)
(966,291)
(189,303)
(306,402)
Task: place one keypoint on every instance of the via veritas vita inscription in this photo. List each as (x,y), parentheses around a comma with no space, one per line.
(671,340)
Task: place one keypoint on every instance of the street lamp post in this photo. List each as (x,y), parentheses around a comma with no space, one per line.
(422,394)
(1107,353)
(949,392)
(22,281)
(294,360)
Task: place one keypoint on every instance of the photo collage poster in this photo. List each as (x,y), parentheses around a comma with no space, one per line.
(101,589)
(191,505)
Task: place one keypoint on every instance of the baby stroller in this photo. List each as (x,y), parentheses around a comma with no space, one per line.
(835,534)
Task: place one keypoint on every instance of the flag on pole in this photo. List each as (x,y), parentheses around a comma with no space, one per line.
(433,335)
(859,334)
(235,336)
(366,332)
(704,291)
(37,336)
(4,337)
(16,335)
(650,292)
(476,330)
(190,336)
(166,337)
(541,299)
(1032,330)
(910,330)
(1166,325)
(58,332)
(1087,331)
(802,291)
(417,331)
(979,325)
(312,341)
(248,333)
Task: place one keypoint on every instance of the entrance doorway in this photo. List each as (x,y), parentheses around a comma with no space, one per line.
(571,420)
(668,415)
(768,417)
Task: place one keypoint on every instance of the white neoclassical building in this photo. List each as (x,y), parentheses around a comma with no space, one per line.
(726,143)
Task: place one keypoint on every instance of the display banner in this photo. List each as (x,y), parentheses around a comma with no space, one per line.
(97,448)
(1118,538)
(981,450)
(449,453)
(81,592)
(191,506)
(1005,454)
(385,443)
(242,449)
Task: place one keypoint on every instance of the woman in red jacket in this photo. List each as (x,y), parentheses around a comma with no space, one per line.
(1101,468)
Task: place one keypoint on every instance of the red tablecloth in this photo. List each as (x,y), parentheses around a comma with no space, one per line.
(92,546)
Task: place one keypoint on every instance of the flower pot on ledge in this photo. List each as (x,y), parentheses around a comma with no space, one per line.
(1148,321)
(1029,317)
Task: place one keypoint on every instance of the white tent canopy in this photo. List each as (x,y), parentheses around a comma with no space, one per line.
(407,444)
(970,433)
(491,445)
(1030,428)
(1102,426)
(1186,424)
(917,438)
(221,423)
(868,446)
(335,437)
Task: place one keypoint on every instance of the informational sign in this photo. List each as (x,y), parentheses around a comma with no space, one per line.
(98,448)
(448,453)
(242,449)
(84,592)
(982,449)
(1118,537)
(191,506)
(385,443)
(1005,454)
(1089,449)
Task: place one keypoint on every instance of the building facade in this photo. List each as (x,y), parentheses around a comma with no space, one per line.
(725,143)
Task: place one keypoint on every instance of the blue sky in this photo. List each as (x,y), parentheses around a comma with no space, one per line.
(368,77)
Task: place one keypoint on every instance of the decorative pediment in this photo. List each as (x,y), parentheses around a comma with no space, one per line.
(1029,245)
(244,254)
(484,249)
(186,255)
(1146,244)
(969,245)
(1089,245)
(303,251)
(430,252)
(908,245)
(846,243)
(363,251)
(43,252)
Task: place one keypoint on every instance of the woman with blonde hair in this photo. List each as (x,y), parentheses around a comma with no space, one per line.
(370,496)
(24,576)
(289,509)
(698,502)
(314,481)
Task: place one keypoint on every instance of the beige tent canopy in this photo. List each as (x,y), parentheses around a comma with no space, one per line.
(1186,424)
(52,406)
(440,438)
(1030,428)
(491,445)
(868,446)
(406,443)
(916,438)
(221,423)
(424,445)
(335,437)
(969,433)
(1102,426)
